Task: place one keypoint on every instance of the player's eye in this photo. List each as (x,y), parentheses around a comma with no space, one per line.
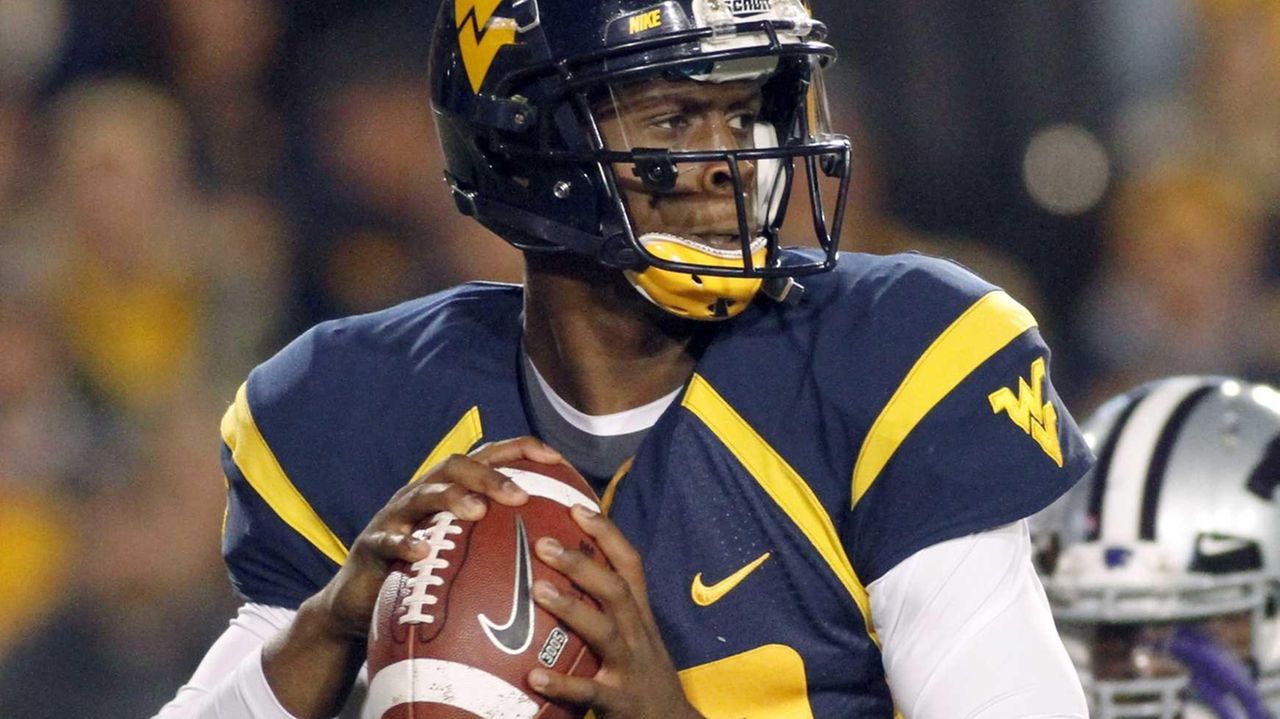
(742,121)
(673,121)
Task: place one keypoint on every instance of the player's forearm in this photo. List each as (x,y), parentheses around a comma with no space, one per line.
(312,665)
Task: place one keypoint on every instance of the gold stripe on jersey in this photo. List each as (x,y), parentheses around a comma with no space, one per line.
(767,682)
(781,482)
(459,440)
(985,328)
(262,470)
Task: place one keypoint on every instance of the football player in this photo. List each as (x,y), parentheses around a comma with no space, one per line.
(816,467)
(1163,566)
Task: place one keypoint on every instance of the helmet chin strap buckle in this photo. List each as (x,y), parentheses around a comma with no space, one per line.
(618,254)
(783,290)
(464,200)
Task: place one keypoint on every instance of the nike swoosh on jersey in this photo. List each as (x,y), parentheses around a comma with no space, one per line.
(515,636)
(705,596)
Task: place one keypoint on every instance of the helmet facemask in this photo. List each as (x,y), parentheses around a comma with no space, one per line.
(704,183)
(1153,670)
(705,214)
(1147,636)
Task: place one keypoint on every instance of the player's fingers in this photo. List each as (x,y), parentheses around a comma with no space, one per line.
(471,476)
(387,546)
(617,550)
(428,498)
(438,496)
(481,478)
(509,450)
(596,629)
(576,691)
(605,585)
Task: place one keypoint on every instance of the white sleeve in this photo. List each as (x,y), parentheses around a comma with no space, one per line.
(229,683)
(967,633)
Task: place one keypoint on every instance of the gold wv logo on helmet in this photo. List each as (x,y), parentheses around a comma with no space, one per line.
(480,36)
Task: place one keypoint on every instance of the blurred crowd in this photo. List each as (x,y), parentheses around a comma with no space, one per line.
(186,184)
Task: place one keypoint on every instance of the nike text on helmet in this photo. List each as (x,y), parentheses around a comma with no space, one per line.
(517,87)
(1163,565)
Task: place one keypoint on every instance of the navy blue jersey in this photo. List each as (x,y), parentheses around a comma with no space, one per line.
(901,403)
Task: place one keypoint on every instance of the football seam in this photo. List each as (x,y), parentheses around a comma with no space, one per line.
(424,578)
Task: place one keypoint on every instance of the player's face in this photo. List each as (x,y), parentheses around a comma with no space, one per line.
(1129,651)
(1133,651)
(686,115)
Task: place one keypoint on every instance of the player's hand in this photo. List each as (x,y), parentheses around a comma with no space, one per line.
(636,679)
(460,484)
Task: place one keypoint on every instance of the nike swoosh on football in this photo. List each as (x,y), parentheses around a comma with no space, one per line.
(516,635)
(705,596)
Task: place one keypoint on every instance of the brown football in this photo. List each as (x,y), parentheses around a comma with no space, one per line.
(456,634)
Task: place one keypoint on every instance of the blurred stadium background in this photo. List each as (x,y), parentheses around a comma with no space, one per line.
(186,184)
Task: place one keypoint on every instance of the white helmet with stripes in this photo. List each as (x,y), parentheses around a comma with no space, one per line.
(1163,565)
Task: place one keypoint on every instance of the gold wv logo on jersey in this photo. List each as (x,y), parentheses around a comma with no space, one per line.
(1029,411)
(481,36)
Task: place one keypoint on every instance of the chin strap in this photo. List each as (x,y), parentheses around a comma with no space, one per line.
(1219,679)
(783,290)
(612,251)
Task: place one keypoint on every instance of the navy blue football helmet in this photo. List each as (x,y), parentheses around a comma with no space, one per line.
(518,88)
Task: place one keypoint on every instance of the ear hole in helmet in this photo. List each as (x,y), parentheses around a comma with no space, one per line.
(697,279)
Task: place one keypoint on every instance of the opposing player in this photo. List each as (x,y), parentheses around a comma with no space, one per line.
(815,494)
(1163,568)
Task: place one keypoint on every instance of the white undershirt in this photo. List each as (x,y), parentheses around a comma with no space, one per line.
(965,628)
(628,421)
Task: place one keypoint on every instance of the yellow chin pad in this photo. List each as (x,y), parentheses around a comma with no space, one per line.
(695,296)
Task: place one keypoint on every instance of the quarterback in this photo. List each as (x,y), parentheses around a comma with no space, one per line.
(815,467)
